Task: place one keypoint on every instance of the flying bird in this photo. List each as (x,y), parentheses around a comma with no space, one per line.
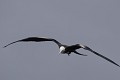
(64,49)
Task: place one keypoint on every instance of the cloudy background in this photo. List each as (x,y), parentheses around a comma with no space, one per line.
(95,23)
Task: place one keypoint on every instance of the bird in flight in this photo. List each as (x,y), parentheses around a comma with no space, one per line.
(64,49)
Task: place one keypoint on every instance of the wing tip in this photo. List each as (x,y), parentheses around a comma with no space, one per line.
(4,46)
(11,43)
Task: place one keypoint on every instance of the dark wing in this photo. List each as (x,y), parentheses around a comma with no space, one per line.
(35,39)
(87,48)
(79,53)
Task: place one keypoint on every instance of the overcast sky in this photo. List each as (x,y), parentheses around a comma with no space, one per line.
(95,23)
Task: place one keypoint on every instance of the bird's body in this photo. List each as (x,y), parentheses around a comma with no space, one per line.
(64,49)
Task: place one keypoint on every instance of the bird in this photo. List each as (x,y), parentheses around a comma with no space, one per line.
(64,49)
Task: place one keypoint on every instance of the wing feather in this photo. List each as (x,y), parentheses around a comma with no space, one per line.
(34,39)
(89,49)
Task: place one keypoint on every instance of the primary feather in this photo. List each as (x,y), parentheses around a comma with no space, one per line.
(89,49)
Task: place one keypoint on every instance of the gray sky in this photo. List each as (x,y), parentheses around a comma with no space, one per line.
(95,23)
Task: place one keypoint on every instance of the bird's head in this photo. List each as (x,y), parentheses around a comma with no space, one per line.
(62,49)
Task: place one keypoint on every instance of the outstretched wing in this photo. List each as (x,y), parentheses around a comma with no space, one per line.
(35,39)
(89,49)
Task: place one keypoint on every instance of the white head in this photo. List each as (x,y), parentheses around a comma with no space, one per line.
(62,49)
